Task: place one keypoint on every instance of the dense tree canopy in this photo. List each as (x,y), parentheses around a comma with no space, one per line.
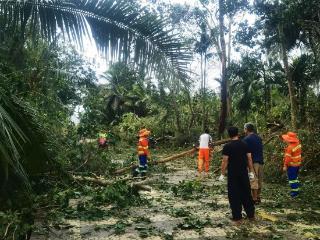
(174,68)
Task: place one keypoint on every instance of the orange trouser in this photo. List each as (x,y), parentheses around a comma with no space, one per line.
(204,159)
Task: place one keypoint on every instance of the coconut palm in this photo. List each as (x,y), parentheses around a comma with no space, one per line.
(121,29)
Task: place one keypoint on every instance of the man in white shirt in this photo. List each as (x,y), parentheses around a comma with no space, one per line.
(204,152)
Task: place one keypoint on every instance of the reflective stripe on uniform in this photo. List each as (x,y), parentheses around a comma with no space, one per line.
(296,157)
(295,189)
(294,181)
(294,164)
(288,154)
(296,148)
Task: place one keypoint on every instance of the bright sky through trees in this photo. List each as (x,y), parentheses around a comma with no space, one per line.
(90,51)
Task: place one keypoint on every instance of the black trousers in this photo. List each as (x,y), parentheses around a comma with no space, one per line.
(239,194)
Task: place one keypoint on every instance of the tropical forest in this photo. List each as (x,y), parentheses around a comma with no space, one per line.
(160,119)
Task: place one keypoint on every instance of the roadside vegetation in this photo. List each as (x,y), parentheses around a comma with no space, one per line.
(54,180)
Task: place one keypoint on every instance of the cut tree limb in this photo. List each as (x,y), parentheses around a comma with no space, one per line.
(167,159)
(171,158)
(98,181)
(102,182)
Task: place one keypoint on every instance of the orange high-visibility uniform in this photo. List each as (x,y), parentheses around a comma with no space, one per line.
(143,146)
(204,159)
(292,156)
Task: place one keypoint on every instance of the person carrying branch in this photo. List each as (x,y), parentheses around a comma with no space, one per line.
(292,161)
(143,152)
(205,141)
(237,159)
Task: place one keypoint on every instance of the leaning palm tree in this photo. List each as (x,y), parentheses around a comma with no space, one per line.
(123,31)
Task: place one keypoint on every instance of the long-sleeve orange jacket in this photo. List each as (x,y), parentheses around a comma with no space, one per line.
(292,155)
(143,146)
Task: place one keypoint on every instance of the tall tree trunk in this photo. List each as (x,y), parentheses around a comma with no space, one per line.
(293,101)
(267,95)
(229,103)
(224,82)
(177,116)
(192,118)
(201,73)
(302,104)
(204,115)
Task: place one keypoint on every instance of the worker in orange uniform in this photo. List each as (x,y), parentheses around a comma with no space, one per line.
(143,152)
(102,139)
(292,161)
(205,141)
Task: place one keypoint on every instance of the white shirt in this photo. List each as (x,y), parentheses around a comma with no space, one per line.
(204,140)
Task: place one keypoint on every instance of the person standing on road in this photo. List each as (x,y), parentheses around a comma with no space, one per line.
(204,153)
(237,159)
(143,152)
(255,145)
(292,161)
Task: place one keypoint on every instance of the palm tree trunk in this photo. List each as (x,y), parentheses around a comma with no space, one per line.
(224,82)
(293,101)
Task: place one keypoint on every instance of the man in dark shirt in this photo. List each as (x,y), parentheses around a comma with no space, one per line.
(255,145)
(237,159)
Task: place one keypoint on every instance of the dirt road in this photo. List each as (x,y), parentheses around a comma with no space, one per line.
(180,206)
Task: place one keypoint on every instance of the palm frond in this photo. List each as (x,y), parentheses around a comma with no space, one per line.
(22,138)
(123,32)
(12,138)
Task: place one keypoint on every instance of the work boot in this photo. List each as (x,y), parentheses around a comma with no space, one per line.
(135,172)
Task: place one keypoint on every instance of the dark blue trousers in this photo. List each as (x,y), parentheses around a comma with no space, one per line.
(143,166)
(293,180)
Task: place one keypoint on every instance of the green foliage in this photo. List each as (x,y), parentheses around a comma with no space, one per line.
(180,212)
(121,25)
(194,222)
(88,203)
(188,189)
(120,194)
(120,227)
(14,225)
